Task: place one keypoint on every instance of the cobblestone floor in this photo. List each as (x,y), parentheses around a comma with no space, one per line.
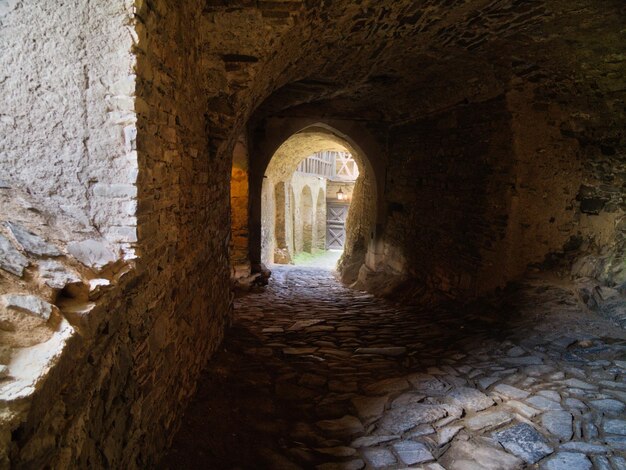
(315,375)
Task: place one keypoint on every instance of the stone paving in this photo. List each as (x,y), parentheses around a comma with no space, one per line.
(315,375)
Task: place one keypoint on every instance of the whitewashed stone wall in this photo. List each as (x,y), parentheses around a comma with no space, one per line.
(67,118)
(121,123)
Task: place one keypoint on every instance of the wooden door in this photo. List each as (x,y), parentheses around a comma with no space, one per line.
(336,214)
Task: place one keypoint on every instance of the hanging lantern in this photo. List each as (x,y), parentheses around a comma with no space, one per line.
(340,195)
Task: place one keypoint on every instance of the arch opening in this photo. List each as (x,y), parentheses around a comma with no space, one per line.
(308,187)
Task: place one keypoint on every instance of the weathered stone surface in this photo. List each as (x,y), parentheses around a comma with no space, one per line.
(525,442)
(11,260)
(56,274)
(407,398)
(442,431)
(421,430)
(522,409)
(345,426)
(537,370)
(379,457)
(577,383)
(543,403)
(387,386)
(389,351)
(337,451)
(412,453)
(558,423)
(617,443)
(303,324)
(30,304)
(510,392)
(463,455)
(428,384)
(342,387)
(470,399)
(32,243)
(488,419)
(356,464)
(445,435)
(399,420)
(432,466)
(485,382)
(523,361)
(608,406)
(567,461)
(589,431)
(298,351)
(91,253)
(615,426)
(550,395)
(368,441)
(584,447)
(369,407)
(601,463)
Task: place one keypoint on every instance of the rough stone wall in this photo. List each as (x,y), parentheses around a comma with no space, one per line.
(448,184)
(67,119)
(550,211)
(184,221)
(360,225)
(34,268)
(239,192)
(478,193)
(142,343)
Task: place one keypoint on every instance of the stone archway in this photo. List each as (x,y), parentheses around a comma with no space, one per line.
(282,162)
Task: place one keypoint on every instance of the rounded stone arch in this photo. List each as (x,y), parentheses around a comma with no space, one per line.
(284,142)
(320,221)
(350,135)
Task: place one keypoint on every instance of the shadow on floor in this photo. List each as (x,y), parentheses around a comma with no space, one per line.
(313,374)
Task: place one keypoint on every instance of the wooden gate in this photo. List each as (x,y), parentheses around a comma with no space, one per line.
(336,214)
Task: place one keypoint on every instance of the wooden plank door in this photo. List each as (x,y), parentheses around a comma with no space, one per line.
(336,214)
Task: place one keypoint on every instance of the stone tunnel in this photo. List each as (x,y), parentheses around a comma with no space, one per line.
(475,319)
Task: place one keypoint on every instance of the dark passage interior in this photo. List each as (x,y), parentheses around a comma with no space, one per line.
(166,166)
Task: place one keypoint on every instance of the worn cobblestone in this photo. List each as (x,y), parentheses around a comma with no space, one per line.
(348,408)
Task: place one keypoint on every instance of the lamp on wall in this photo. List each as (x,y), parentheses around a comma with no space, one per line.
(340,195)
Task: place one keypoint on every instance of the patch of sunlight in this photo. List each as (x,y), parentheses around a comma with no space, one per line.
(318,259)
